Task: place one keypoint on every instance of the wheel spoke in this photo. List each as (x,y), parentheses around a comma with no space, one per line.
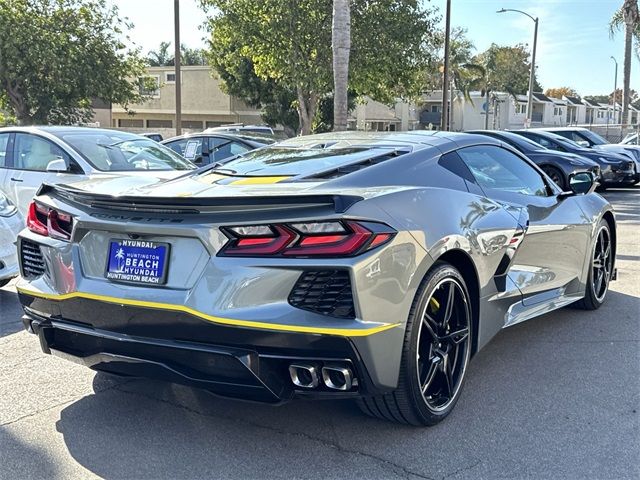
(598,284)
(433,368)
(430,324)
(449,306)
(448,376)
(458,336)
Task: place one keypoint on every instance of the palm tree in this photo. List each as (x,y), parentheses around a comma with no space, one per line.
(466,74)
(161,57)
(341,45)
(629,17)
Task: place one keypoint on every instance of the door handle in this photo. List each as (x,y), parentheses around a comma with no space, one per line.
(16,179)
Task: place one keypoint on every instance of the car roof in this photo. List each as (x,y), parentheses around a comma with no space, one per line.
(416,139)
(559,129)
(66,129)
(264,139)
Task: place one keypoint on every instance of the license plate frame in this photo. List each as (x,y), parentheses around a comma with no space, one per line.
(137,249)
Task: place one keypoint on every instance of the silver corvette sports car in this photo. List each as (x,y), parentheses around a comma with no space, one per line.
(352,265)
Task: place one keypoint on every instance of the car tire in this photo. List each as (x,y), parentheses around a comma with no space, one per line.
(556,175)
(408,404)
(600,267)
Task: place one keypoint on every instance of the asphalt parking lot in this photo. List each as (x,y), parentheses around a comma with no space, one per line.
(555,397)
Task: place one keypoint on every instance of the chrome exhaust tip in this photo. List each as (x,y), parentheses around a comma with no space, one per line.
(337,377)
(304,375)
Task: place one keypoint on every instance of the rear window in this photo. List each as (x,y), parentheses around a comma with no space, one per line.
(116,152)
(294,161)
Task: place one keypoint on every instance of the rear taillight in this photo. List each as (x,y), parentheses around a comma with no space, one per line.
(49,222)
(310,239)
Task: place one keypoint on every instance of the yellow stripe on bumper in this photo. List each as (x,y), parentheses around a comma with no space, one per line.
(344,332)
(258,180)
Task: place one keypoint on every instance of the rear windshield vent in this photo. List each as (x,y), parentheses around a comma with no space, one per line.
(327,292)
(354,167)
(31,260)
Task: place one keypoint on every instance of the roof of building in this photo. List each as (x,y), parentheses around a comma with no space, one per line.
(541,97)
(589,103)
(573,100)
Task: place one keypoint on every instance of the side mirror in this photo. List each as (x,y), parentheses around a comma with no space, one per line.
(583,143)
(581,183)
(57,166)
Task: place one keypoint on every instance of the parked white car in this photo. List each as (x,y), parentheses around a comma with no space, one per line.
(30,156)
(10,224)
(631,139)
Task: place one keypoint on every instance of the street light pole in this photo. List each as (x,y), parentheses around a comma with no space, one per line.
(176,62)
(444,118)
(615,88)
(533,61)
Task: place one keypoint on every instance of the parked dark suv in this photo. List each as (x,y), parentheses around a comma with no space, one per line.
(557,165)
(586,138)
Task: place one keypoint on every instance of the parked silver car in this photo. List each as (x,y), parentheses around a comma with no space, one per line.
(345,265)
(10,225)
(30,156)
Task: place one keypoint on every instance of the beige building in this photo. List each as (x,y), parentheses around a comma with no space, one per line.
(204,104)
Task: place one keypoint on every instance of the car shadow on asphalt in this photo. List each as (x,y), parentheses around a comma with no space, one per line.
(136,428)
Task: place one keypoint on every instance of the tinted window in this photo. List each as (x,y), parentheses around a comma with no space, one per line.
(4,143)
(35,153)
(113,151)
(278,160)
(499,169)
(223,148)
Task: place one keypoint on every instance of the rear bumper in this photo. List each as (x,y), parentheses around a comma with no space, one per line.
(241,363)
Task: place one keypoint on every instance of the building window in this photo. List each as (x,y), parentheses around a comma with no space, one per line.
(521,108)
(130,123)
(212,124)
(149,86)
(600,114)
(170,77)
(159,123)
(435,108)
(192,124)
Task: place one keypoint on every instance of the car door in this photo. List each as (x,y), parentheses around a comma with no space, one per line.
(549,258)
(6,148)
(28,168)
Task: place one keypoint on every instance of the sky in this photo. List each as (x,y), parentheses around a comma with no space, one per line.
(574,47)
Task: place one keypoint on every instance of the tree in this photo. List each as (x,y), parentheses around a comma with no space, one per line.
(340,45)
(465,73)
(508,69)
(288,42)
(161,57)
(559,92)
(56,55)
(164,57)
(628,16)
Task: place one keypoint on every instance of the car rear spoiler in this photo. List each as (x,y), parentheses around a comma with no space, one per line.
(172,205)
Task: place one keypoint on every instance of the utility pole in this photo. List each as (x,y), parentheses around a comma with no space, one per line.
(444,118)
(176,28)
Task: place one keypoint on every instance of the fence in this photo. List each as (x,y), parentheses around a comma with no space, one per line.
(614,133)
